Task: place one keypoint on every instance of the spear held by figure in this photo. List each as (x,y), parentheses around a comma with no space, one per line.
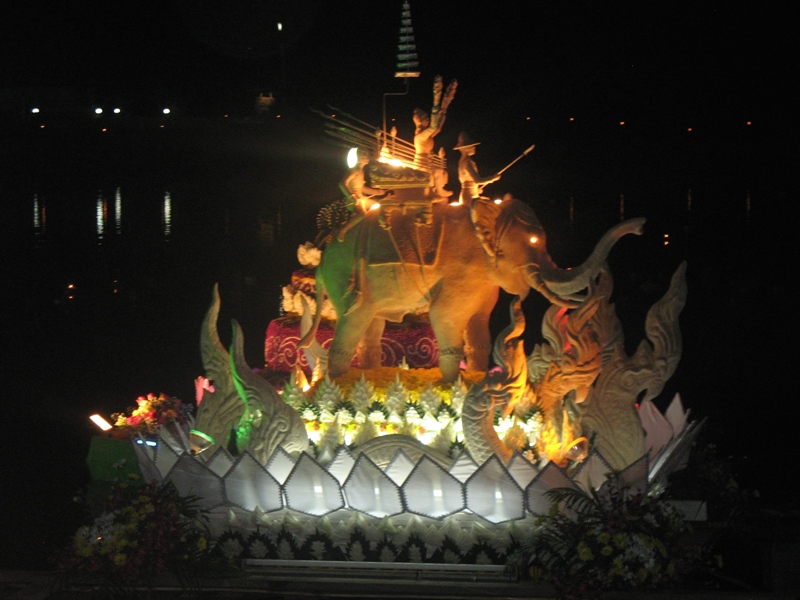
(528,151)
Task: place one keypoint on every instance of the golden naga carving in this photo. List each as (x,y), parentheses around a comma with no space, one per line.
(244,412)
(610,415)
(581,381)
(500,388)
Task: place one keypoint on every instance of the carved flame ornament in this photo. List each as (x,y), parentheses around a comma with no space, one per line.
(579,384)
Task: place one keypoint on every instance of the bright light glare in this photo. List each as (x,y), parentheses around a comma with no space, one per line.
(98,111)
(498,201)
(166,111)
(280,26)
(352,157)
(534,239)
(35,111)
(117,111)
(100,422)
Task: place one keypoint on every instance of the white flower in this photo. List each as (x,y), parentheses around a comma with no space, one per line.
(387,555)
(101,530)
(285,551)
(231,548)
(258,549)
(318,549)
(356,552)
(309,255)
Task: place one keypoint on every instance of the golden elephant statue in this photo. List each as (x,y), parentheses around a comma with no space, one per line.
(454,265)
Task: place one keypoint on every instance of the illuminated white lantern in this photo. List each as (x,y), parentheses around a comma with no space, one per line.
(280,465)
(311,489)
(400,467)
(371,491)
(342,464)
(522,470)
(191,478)
(220,462)
(493,494)
(249,485)
(550,477)
(431,491)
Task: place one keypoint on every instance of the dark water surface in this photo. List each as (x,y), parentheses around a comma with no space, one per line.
(221,201)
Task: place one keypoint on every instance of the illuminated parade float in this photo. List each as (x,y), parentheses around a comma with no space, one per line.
(402,431)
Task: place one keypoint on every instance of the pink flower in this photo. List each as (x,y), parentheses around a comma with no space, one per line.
(201,384)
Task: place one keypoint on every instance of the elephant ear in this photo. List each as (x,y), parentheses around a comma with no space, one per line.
(484,220)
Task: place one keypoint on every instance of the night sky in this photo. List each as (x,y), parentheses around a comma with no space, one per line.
(619,60)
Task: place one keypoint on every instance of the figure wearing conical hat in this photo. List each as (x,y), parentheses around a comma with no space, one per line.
(472,183)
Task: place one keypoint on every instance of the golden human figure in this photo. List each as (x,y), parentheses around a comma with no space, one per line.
(360,197)
(427,128)
(472,183)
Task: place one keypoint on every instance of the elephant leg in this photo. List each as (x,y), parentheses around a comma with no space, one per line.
(478,339)
(369,351)
(448,325)
(350,329)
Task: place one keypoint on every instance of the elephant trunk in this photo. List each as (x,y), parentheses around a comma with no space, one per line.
(564,282)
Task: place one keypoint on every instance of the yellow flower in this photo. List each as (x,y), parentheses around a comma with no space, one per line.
(616,568)
(120,559)
(202,544)
(606,550)
(620,541)
(584,552)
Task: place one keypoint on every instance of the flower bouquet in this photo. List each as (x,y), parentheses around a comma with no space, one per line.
(609,539)
(150,412)
(141,532)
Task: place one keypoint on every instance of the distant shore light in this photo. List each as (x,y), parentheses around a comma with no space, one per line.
(117,111)
(98,111)
(280,26)
(166,111)
(35,111)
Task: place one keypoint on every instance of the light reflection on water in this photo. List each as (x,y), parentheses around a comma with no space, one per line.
(39,217)
(101,216)
(121,275)
(166,215)
(101,213)
(118,211)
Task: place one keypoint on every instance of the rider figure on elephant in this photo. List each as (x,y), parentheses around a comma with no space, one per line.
(359,196)
(472,183)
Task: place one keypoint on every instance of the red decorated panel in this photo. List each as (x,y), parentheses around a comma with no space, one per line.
(413,339)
